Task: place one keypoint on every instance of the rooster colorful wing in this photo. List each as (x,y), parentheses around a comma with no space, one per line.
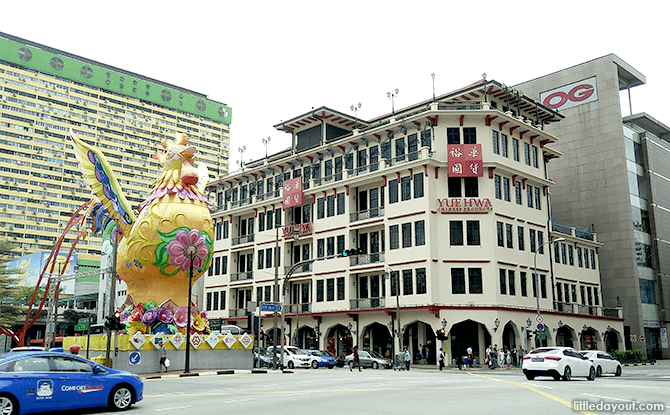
(100,177)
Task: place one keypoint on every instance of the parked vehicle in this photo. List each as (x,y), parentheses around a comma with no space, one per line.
(369,359)
(235,330)
(338,359)
(48,381)
(293,357)
(265,359)
(604,362)
(321,359)
(557,362)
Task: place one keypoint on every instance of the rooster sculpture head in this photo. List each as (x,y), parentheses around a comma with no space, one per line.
(179,157)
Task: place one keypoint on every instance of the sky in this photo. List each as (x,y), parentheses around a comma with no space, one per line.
(275,60)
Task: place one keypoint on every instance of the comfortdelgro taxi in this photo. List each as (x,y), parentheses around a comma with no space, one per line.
(52,381)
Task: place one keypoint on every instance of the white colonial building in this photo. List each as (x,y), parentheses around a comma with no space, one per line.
(448,200)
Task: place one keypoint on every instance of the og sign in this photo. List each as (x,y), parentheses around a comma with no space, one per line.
(571,95)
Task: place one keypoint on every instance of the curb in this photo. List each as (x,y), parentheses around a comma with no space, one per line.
(216,373)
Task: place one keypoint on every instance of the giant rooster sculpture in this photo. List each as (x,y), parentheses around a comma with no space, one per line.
(173,227)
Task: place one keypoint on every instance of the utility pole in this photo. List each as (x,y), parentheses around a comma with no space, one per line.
(112,295)
(276,300)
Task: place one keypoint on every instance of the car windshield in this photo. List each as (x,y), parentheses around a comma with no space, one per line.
(317,353)
(297,351)
(377,355)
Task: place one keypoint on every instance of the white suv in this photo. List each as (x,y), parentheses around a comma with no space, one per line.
(293,357)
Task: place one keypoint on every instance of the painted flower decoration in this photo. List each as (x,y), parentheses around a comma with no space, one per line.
(137,312)
(164,315)
(180,317)
(150,305)
(161,328)
(188,244)
(149,317)
(199,323)
(136,326)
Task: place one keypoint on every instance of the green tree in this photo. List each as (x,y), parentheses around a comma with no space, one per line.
(10,306)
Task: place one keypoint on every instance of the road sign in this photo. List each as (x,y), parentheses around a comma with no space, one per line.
(134,358)
(541,335)
(81,327)
(86,320)
(642,338)
(270,307)
(540,327)
(633,338)
(539,319)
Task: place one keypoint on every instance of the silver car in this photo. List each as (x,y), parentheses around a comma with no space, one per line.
(369,359)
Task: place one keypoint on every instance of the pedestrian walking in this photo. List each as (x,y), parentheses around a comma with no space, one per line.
(162,353)
(459,360)
(407,356)
(470,356)
(357,360)
(508,358)
(514,356)
(501,358)
(519,355)
(440,358)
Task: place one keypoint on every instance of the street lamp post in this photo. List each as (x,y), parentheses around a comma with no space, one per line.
(355,109)
(391,96)
(187,358)
(266,141)
(433,76)
(388,274)
(444,327)
(241,150)
(535,278)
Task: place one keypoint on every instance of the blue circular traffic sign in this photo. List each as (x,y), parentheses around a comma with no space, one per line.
(135,358)
(540,327)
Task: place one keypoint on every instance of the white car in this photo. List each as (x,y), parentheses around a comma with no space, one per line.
(293,357)
(557,362)
(604,362)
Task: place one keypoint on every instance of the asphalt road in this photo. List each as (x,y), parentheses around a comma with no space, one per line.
(419,391)
(423,390)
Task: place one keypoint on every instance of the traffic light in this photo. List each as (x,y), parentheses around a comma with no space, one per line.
(109,322)
(253,323)
(529,334)
(351,252)
(116,320)
(440,334)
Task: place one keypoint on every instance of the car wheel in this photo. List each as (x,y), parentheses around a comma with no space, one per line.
(530,377)
(331,366)
(8,405)
(375,365)
(121,398)
(592,374)
(599,372)
(314,364)
(618,371)
(567,373)
(290,365)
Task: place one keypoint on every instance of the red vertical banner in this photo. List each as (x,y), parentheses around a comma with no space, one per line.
(465,160)
(292,195)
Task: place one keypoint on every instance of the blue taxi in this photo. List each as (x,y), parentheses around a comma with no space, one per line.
(54,381)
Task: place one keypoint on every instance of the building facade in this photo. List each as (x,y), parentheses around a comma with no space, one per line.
(613,177)
(447,200)
(44,92)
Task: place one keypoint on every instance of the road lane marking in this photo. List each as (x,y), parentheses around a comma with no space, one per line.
(173,408)
(617,399)
(533,389)
(538,386)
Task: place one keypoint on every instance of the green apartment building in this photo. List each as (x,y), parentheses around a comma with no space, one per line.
(43,93)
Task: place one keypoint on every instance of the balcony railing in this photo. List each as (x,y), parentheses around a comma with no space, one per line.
(243,239)
(301,308)
(304,268)
(403,158)
(367,303)
(240,276)
(377,212)
(366,259)
(238,312)
(363,169)
(589,310)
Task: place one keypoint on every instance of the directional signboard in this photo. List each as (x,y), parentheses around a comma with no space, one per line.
(270,307)
(541,335)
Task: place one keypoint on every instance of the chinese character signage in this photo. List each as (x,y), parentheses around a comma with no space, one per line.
(303,228)
(292,193)
(465,160)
